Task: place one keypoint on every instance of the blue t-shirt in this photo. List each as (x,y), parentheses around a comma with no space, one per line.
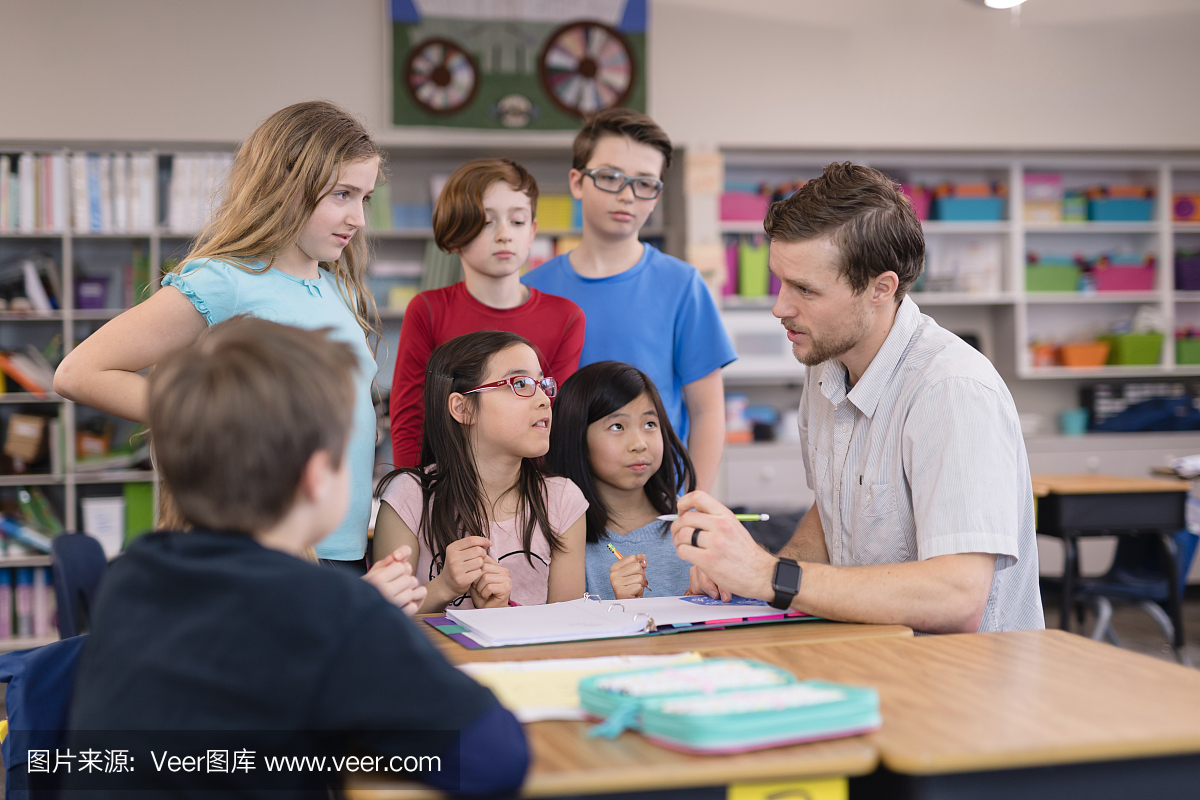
(219,291)
(666,572)
(658,316)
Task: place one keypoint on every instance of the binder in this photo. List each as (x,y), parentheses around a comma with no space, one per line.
(592,618)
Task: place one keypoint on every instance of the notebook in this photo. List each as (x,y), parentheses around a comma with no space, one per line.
(592,618)
(549,688)
(727,705)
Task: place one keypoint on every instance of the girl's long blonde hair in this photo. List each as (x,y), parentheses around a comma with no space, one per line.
(279,174)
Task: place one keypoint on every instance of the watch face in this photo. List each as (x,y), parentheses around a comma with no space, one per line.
(787,577)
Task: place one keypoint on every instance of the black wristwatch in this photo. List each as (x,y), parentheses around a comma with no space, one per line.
(786,582)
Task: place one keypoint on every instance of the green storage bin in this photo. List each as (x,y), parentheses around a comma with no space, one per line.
(1054,278)
(1134,348)
(754,278)
(139,510)
(1187,351)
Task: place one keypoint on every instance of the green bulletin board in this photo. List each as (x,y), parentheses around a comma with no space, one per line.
(515,64)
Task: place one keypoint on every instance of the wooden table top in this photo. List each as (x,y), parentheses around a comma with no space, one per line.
(704,641)
(976,702)
(1105,484)
(566,762)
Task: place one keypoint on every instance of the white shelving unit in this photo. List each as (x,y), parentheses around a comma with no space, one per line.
(1007,319)
(1165,173)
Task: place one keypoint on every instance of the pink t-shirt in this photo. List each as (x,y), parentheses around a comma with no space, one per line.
(565,504)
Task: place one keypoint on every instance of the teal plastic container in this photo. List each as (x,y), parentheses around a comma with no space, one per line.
(970,209)
(1121,209)
(727,705)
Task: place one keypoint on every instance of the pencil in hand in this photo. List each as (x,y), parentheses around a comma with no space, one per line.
(742,517)
(613,550)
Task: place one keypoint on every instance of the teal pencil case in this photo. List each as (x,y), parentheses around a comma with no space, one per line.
(726,705)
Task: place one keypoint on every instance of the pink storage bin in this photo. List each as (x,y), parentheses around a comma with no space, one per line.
(731,268)
(744,206)
(919,197)
(1125,279)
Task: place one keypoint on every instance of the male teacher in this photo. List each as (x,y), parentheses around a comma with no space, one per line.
(924,508)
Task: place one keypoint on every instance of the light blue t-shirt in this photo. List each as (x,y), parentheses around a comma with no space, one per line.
(658,316)
(666,572)
(219,291)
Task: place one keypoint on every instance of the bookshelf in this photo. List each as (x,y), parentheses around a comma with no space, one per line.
(1005,317)
(104,248)
(1032,313)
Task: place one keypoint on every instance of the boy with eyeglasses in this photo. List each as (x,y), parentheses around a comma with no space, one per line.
(643,307)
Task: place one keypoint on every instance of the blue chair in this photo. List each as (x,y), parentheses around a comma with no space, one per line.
(38,700)
(1139,576)
(77,563)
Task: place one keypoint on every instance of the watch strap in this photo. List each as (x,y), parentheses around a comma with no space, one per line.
(785,594)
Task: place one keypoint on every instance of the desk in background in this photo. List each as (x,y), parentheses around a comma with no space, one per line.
(1075,506)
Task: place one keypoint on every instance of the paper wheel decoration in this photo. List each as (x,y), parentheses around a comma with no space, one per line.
(441,77)
(586,67)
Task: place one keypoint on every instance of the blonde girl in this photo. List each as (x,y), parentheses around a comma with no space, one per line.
(486,524)
(285,244)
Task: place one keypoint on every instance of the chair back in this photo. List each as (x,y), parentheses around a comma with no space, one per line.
(38,701)
(77,562)
(1137,565)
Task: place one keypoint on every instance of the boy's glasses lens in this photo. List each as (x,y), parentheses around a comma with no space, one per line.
(610,180)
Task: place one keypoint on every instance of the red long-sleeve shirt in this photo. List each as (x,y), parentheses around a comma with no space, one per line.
(554,324)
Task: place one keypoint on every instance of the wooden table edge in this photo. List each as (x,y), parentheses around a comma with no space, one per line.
(1041,757)
(691,775)
(1051,484)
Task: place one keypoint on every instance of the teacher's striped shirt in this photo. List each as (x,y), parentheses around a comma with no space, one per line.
(924,457)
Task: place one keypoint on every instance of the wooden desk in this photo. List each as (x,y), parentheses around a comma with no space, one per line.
(698,641)
(565,762)
(1106,505)
(1026,714)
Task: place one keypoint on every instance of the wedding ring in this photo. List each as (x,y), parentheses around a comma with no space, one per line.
(696,537)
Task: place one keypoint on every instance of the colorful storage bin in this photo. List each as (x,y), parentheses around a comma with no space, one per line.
(970,209)
(1124,279)
(919,198)
(1084,354)
(1187,351)
(744,206)
(1051,278)
(753,276)
(1187,270)
(1134,348)
(1187,207)
(1120,209)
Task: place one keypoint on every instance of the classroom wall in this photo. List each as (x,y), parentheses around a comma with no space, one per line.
(917,73)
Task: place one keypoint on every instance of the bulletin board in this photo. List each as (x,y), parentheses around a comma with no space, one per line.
(515,64)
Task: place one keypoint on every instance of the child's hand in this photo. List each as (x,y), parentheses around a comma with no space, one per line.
(492,588)
(464,562)
(393,577)
(628,577)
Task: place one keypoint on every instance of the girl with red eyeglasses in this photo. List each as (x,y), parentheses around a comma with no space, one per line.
(487,525)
